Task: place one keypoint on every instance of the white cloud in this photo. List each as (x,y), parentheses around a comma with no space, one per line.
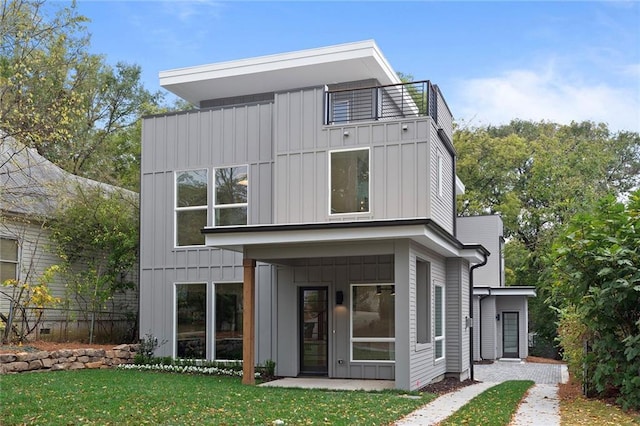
(547,95)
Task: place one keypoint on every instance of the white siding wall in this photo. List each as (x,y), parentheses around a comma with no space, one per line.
(485,230)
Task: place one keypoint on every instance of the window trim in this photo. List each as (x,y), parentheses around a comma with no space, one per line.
(215,206)
(441,338)
(367,339)
(177,209)
(331,152)
(14,262)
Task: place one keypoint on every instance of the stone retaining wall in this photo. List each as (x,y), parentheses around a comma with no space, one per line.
(67,359)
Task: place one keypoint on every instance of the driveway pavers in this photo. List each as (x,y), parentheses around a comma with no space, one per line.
(500,371)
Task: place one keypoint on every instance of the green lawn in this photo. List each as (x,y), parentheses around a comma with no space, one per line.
(134,397)
(495,406)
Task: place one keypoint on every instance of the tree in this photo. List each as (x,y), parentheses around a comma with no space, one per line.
(96,237)
(537,176)
(38,58)
(595,266)
(74,108)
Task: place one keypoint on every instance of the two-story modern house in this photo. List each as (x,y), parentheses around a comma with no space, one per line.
(305,213)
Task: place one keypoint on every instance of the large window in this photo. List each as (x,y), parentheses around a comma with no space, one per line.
(350,181)
(228,321)
(439,320)
(191,207)
(231,196)
(8,259)
(191,321)
(372,322)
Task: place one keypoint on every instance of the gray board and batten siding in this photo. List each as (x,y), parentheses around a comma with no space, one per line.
(286,146)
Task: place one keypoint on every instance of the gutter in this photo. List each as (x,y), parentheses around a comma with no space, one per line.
(473,268)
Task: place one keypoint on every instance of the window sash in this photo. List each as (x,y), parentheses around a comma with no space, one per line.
(349,181)
(188,207)
(371,305)
(8,259)
(231,193)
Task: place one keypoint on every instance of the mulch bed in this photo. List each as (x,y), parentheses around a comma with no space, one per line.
(51,346)
(446,385)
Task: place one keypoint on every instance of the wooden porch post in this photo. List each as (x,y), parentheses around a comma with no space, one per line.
(248,322)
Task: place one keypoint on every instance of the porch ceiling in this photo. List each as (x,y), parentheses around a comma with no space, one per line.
(270,242)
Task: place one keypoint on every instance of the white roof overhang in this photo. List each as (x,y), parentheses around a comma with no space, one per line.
(331,239)
(505,291)
(273,73)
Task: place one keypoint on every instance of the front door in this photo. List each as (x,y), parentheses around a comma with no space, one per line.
(510,333)
(314,327)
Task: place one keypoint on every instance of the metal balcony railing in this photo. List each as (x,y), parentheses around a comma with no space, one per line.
(389,102)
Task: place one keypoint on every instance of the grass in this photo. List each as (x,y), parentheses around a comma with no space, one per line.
(575,409)
(495,406)
(109,397)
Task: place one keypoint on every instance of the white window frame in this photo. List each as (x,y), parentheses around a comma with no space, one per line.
(14,262)
(177,209)
(217,206)
(331,152)
(353,340)
(440,338)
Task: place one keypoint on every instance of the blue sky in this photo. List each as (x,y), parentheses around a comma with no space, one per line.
(494,61)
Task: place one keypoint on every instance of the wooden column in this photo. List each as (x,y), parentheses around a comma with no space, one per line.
(248,322)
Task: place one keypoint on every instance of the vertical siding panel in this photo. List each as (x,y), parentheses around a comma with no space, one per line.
(408,182)
(392,186)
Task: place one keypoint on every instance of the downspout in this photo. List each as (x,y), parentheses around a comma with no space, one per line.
(484,262)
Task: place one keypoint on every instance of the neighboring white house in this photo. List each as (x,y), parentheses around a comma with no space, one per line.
(31,190)
(500,313)
(305,213)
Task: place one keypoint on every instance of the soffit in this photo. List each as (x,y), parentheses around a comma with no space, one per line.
(273,73)
(321,240)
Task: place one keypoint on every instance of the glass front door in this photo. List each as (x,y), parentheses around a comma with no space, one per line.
(314,327)
(510,334)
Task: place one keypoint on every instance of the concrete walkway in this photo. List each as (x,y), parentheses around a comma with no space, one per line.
(539,407)
(444,406)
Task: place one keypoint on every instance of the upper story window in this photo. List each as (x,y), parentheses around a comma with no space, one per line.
(230,205)
(191,207)
(349,187)
(8,259)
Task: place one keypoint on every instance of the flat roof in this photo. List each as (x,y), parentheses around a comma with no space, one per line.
(272,73)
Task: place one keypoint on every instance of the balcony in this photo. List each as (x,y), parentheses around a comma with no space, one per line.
(414,99)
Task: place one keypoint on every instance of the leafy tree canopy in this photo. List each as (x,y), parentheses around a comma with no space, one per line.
(595,270)
(69,104)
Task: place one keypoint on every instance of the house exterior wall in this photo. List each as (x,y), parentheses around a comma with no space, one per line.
(485,230)
(230,136)
(488,329)
(402,164)
(422,363)
(63,321)
(337,274)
